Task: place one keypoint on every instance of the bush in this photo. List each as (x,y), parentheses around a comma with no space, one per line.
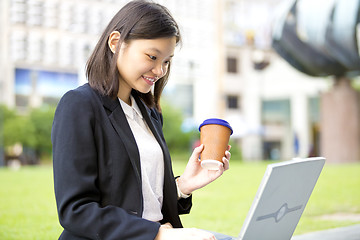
(236,153)
(16,128)
(32,131)
(177,140)
(42,119)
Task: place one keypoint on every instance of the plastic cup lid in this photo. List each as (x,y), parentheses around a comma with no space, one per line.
(217,121)
(210,164)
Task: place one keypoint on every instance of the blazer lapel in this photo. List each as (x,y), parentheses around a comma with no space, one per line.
(170,196)
(118,120)
(170,206)
(150,120)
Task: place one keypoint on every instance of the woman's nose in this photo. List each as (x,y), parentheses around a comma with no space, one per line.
(159,70)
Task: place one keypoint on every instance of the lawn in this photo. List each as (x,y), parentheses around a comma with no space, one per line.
(28,211)
(223,205)
(27,204)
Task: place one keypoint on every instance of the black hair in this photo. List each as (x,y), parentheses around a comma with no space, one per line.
(139,19)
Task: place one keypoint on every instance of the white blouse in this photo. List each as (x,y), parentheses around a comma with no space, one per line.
(151,161)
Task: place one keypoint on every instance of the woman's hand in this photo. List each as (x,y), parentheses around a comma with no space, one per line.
(166,232)
(195,177)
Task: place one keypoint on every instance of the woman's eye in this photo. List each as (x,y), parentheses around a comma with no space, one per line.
(152,57)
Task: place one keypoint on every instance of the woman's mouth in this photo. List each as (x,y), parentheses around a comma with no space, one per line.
(150,80)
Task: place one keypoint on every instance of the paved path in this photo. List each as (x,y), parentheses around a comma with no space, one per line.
(343,233)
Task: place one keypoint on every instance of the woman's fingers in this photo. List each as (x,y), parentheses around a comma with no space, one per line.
(196,152)
(226,163)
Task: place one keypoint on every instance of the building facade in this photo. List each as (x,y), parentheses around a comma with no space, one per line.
(225,67)
(273,107)
(44,45)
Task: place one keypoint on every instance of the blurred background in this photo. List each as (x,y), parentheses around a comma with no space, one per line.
(283,73)
(233,65)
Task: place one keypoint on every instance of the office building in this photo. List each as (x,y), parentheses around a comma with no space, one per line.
(225,67)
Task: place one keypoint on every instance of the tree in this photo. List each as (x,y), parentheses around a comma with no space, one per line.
(177,140)
(42,119)
(32,131)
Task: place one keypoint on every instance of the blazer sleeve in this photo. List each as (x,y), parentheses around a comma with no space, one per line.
(75,178)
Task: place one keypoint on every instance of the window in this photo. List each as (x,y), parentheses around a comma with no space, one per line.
(232,65)
(18,41)
(18,11)
(51,47)
(232,102)
(50,14)
(34,13)
(276,111)
(65,15)
(35,47)
(66,51)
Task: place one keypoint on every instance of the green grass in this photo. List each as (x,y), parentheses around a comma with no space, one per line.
(28,211)
(27,204)
(223,205)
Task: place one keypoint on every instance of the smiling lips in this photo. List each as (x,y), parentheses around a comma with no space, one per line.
(150,80)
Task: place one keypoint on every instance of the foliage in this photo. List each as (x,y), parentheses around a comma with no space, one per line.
(5,114)
(16,128)
(19,129)
(42,119)
(236,153)
(31,130)
(176,139)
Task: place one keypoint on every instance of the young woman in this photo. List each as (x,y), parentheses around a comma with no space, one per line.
(112,169)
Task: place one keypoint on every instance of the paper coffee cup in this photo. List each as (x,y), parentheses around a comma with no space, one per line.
(214,134)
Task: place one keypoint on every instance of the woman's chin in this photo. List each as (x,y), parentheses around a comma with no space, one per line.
(143,90)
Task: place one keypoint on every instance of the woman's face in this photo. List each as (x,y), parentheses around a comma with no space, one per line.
(142,62)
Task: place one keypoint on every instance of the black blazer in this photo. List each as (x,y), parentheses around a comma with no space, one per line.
(97,174)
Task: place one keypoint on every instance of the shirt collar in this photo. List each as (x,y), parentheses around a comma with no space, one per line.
(131,110)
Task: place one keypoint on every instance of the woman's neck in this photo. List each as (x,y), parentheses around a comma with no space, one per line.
(124,94)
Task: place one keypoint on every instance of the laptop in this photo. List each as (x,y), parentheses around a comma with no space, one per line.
(280,200)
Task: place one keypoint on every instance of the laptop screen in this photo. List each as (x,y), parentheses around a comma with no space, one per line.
(281,199)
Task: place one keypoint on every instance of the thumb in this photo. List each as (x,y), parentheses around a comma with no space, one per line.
(196,153)
(167,225)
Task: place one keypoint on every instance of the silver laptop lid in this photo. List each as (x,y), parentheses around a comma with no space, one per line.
(281,198)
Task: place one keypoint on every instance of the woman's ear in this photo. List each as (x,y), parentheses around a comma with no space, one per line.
(113,40)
